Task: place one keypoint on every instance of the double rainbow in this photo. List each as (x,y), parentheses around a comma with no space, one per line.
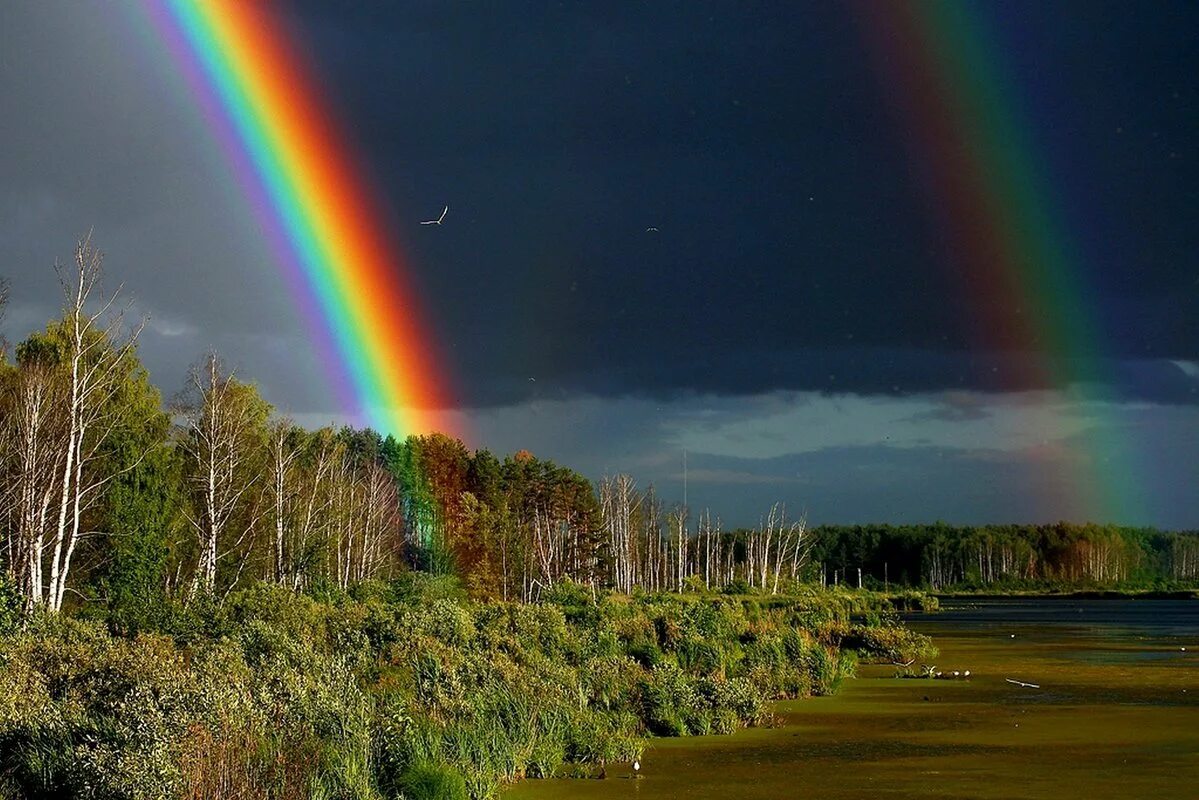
(325,228)
(1014,258)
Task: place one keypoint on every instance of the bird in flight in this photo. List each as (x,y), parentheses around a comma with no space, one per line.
(651,229)
(439,219)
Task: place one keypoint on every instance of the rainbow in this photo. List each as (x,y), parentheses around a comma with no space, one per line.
(324,227)
(1011,253)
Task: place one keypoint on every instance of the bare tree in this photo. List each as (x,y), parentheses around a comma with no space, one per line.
(619,504)
(222,436)
(3,303)
(283,454)
(61,411)
(96,346)
(34,433)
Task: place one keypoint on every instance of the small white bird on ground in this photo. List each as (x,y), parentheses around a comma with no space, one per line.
(439,219)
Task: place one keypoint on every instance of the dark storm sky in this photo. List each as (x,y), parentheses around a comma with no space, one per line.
(793,244)
(796,322)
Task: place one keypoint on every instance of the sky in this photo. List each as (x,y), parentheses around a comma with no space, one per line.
(798,324)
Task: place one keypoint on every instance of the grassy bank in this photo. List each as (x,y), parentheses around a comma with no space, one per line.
(404,689)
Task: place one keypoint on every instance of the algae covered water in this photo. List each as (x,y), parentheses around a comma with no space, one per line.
(1116,715)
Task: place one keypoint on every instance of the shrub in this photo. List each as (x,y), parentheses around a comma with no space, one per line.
(374,692)
(428,781)
(889,643)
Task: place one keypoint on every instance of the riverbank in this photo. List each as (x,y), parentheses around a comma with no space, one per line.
(408,688)
(1116,715)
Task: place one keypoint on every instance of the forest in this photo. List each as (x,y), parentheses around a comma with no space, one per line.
(1062,555)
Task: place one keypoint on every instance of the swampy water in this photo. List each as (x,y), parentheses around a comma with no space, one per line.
(1116,716)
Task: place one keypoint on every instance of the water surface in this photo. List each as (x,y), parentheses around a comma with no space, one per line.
(1117,716)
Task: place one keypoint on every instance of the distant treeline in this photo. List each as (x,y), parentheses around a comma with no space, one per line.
(939,556)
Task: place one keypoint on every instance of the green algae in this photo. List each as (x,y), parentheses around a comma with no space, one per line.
(1117,716)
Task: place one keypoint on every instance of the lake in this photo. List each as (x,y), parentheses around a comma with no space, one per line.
(1116,716)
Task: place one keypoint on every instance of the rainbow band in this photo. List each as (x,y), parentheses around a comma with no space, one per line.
(289,158)
(998,207)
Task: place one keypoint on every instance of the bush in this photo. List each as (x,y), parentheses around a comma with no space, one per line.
(882,644)
(426,781)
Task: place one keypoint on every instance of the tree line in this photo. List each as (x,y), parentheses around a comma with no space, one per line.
(109,494)
(940,556)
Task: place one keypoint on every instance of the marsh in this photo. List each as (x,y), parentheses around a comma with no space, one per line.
(1117,716)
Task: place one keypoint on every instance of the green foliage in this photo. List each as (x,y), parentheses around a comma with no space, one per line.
(889,644)
(10,607)
(395,689)
(144,513)
(426,781)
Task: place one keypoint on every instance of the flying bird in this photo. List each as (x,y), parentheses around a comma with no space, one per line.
(439,219)
(1023,684)
(651,229)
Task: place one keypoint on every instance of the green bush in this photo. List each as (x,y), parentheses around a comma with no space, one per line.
(426,781)
(882,644)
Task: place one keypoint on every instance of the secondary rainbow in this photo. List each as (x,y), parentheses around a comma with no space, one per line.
(1003,225)
(294,166)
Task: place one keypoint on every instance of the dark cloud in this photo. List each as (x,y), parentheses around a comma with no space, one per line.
(795,256)
(993,458)
(793,250)
(792,242)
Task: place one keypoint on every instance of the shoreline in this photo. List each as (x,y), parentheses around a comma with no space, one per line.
(1075,594)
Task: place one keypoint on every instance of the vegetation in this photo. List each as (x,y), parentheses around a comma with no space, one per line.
(404,688)
(109,498)
(1006,558)
(202,599)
